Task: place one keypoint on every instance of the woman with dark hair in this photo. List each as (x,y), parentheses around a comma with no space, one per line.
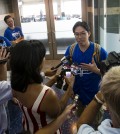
(38,102)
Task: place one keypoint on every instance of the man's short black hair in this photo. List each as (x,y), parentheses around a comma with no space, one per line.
(81,24)
(7,17)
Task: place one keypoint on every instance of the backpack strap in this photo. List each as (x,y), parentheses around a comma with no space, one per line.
(72,49)
(97,49)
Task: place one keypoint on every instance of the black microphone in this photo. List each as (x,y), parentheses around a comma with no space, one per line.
(57,66)
(66,58)
(62,61)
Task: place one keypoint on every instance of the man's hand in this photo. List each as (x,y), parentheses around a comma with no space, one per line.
(70,82)
(3,54)
(3,68)
(67,113)
(91,67)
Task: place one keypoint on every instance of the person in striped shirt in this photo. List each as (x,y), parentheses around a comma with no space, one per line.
(39,103)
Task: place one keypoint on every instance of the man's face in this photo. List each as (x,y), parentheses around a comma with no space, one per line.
(10,22)
(81,35)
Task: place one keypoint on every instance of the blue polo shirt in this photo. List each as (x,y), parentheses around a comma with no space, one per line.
(87,85)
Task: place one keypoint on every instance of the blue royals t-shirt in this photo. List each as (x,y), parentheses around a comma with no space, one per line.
(87,84)
(13,34)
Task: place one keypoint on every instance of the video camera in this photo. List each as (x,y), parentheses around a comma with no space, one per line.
(67,68)
(113,59)
(65,61)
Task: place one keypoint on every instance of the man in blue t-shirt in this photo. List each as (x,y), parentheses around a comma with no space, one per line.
(4,42)
(12,33)
(87,84)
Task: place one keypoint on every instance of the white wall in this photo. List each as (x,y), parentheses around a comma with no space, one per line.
(103,38)
(109,41)
(113,42)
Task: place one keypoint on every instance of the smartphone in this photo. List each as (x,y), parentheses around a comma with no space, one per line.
(68,74)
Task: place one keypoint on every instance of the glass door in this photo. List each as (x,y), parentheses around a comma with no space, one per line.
(50,21)
(64,14)
(35,22)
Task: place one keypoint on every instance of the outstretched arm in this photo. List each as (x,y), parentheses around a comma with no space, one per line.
(52,81)
(50,72)
(59,104)
(55,125)
(90,112)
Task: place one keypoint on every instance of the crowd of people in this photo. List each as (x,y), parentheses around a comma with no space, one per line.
(43,112)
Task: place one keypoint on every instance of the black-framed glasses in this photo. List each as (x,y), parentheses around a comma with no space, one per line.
(82,34)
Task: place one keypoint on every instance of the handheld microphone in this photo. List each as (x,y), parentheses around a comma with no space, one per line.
(57,66)
(62,61)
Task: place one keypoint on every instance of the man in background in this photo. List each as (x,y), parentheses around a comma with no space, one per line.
(12,33)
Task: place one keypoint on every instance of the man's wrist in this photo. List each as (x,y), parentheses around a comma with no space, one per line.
(98,71)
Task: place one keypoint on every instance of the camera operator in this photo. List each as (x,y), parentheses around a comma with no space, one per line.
(13,33)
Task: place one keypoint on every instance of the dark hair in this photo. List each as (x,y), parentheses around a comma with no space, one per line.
(81,24)
(7,17)
(26,58)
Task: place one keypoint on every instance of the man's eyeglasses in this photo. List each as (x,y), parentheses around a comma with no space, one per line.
(83,34)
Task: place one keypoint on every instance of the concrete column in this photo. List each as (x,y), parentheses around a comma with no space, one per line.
(15,10)
(84,10)
(90,18)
